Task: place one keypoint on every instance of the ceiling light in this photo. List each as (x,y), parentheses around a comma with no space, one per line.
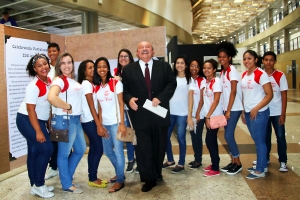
(296,29)
(265,42)
(289,1)
(275,11)
(250,27)
(290,32)
(282,35)
(234,35)
(277,38)
(251,47)
(281,7)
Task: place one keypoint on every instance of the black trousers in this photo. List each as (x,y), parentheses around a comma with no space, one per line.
(53,159)
(197,141)
(150,151)
(211,141)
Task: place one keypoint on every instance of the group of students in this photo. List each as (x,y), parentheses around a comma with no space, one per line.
(259,97)
(87,105)
(90,104)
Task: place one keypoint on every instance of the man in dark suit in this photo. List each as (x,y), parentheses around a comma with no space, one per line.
(153,80)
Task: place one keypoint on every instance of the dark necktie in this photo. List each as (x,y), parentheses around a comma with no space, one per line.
(147,79)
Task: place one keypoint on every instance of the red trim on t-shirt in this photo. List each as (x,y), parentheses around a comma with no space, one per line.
(66,83)
(228,70)
(277,76)
(96,89)
(42,86)
(199,79)
(115,71)
(110,83)
(257,75)
(244,73)
(211,83)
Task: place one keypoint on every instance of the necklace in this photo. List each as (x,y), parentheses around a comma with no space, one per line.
(46,83)
(248,74)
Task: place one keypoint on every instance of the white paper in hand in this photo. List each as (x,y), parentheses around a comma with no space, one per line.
(161,111)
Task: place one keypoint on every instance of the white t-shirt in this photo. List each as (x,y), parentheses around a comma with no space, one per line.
(252,87)
(74,94)
(51,73)
(88,88)
(231,74)
(196,85)
(179,100)
(279,83)
(37,93)
(105,96)
(212,86)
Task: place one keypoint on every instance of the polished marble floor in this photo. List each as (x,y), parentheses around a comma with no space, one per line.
(189,184)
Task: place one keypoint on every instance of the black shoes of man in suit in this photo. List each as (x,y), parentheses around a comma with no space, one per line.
(148,186)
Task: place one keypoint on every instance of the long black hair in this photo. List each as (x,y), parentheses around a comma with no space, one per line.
(187,75)
(97,79)
(119,67)
(81,70)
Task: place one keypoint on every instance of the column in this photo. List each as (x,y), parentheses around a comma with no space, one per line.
(286,39)
(257,26)
(269,18)
(89,22)
(271,43)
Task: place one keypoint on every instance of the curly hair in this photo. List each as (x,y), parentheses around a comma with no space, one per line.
(32,61)
(228,48)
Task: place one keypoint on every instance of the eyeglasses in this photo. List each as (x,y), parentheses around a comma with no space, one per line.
(124,57)
(194,66)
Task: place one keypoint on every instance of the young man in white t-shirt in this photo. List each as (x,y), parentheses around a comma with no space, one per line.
(53,52)
(277,109)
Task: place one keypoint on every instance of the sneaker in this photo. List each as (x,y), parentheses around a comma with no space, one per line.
(102,185)
(195,166)
(166,164)
(234,169)
(227,167)
(51,173)
(137,170)
(76,191)
(50,189)
(252,169)
(177,169)
(255,162)
(42,191)
(191,163)
(130,166)
(211,173)
(283,167)
(254,175)
(207,169)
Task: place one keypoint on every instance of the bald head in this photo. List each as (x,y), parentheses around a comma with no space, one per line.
(145,51)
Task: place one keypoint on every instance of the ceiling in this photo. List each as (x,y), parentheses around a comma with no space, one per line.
(214,19)
(41,16)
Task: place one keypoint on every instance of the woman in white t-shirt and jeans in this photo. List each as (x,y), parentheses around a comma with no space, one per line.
(197,84)
(178,114)
(257,94)
(211,107)
(109,109)
(65,94)
(32,117)
(232,103)
(90,122)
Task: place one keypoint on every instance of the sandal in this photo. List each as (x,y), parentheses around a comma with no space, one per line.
(116,189)
(166,164)
(103,181)
(101,185)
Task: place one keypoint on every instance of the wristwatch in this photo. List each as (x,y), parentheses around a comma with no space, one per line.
(70,107)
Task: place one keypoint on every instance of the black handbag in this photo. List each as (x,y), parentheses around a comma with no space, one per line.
(60,135)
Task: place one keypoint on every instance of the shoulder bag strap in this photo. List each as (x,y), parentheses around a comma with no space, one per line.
(115,93)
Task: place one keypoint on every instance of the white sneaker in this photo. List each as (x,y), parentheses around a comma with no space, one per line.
(50,189)
(254,169)
(42,191)
(283,167)
(51,173)
(255,162)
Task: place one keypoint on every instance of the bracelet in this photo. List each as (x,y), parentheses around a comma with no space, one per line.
(207,117)
(70,107)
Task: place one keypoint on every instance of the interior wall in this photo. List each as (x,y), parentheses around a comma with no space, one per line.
(95,45)
(285,59)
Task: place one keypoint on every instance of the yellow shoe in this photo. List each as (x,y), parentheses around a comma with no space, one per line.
(104,181)
(102,185)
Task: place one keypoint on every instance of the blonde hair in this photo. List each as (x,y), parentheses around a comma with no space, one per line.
(58,63)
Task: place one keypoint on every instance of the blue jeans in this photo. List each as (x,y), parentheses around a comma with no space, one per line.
(211,140)
(129,146)
(229,133)
(280,135)
(38,153)
(258,130)
(197,142)
(96,149)
(113,149)
(67,165)
(180,122)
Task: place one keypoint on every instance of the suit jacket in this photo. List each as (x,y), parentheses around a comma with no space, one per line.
(163,85)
